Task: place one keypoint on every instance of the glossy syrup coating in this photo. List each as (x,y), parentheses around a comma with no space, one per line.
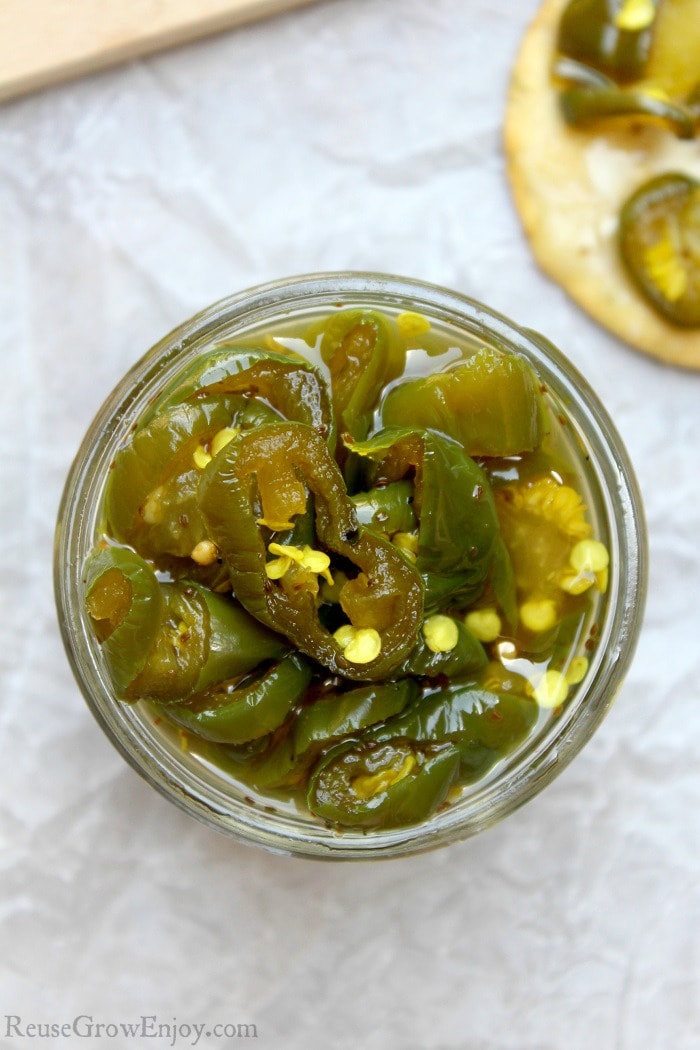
(359,578)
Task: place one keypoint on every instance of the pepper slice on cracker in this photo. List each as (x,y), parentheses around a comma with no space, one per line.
(571,182)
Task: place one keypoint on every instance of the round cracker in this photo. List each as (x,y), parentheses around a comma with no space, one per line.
(569,186)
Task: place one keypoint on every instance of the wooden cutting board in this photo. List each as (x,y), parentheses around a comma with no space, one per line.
(44,41)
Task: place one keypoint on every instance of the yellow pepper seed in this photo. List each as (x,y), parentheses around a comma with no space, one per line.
(575,582)
(552,689)
(589,556)
(285,550)
(635,15)
(364,647)
(179,635)
(318,562)
(152,508)
(315,561)
(345,634)
(222,438)
(576,671)
(201,457)
(538,614)
(369,785)
(276,569)
(666,268)
(204,553)
(485,624)
(275,526)
(441,633)
(411,323)
(406,542)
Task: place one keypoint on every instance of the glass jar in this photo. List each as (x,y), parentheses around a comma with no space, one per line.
(206,791)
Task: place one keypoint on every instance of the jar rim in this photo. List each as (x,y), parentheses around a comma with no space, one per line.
(538,764)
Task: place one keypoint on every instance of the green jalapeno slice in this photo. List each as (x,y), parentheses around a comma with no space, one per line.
(165,640)
(283,761)
(234,713)
(613,36)
(340,714)
(660,245)
(124,602)
(362,355)
(266,763)
(388,785)
(388,508)
(215,366)
(202,638)
(492,404)
(178,651)
(250,492)
(626,58)
(584,105)
(236,642)
(151,495)
(294,389)
(484,725)
(453,504)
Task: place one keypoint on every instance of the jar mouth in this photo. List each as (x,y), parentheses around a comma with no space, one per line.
(198,789)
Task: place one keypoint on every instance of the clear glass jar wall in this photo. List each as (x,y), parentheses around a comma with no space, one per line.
(190,780)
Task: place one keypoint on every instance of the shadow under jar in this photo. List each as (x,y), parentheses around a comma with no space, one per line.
(350,566)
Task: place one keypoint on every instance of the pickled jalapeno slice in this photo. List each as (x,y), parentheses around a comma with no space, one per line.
(344,714)
(124,602)
(622,59)
(491,404)
(660,245)
(234,712)
(585,105)
(260,483)
(363,355)
(456,522)
(613,36)
(383,785)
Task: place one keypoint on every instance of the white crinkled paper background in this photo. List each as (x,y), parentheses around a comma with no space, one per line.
(360,134)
